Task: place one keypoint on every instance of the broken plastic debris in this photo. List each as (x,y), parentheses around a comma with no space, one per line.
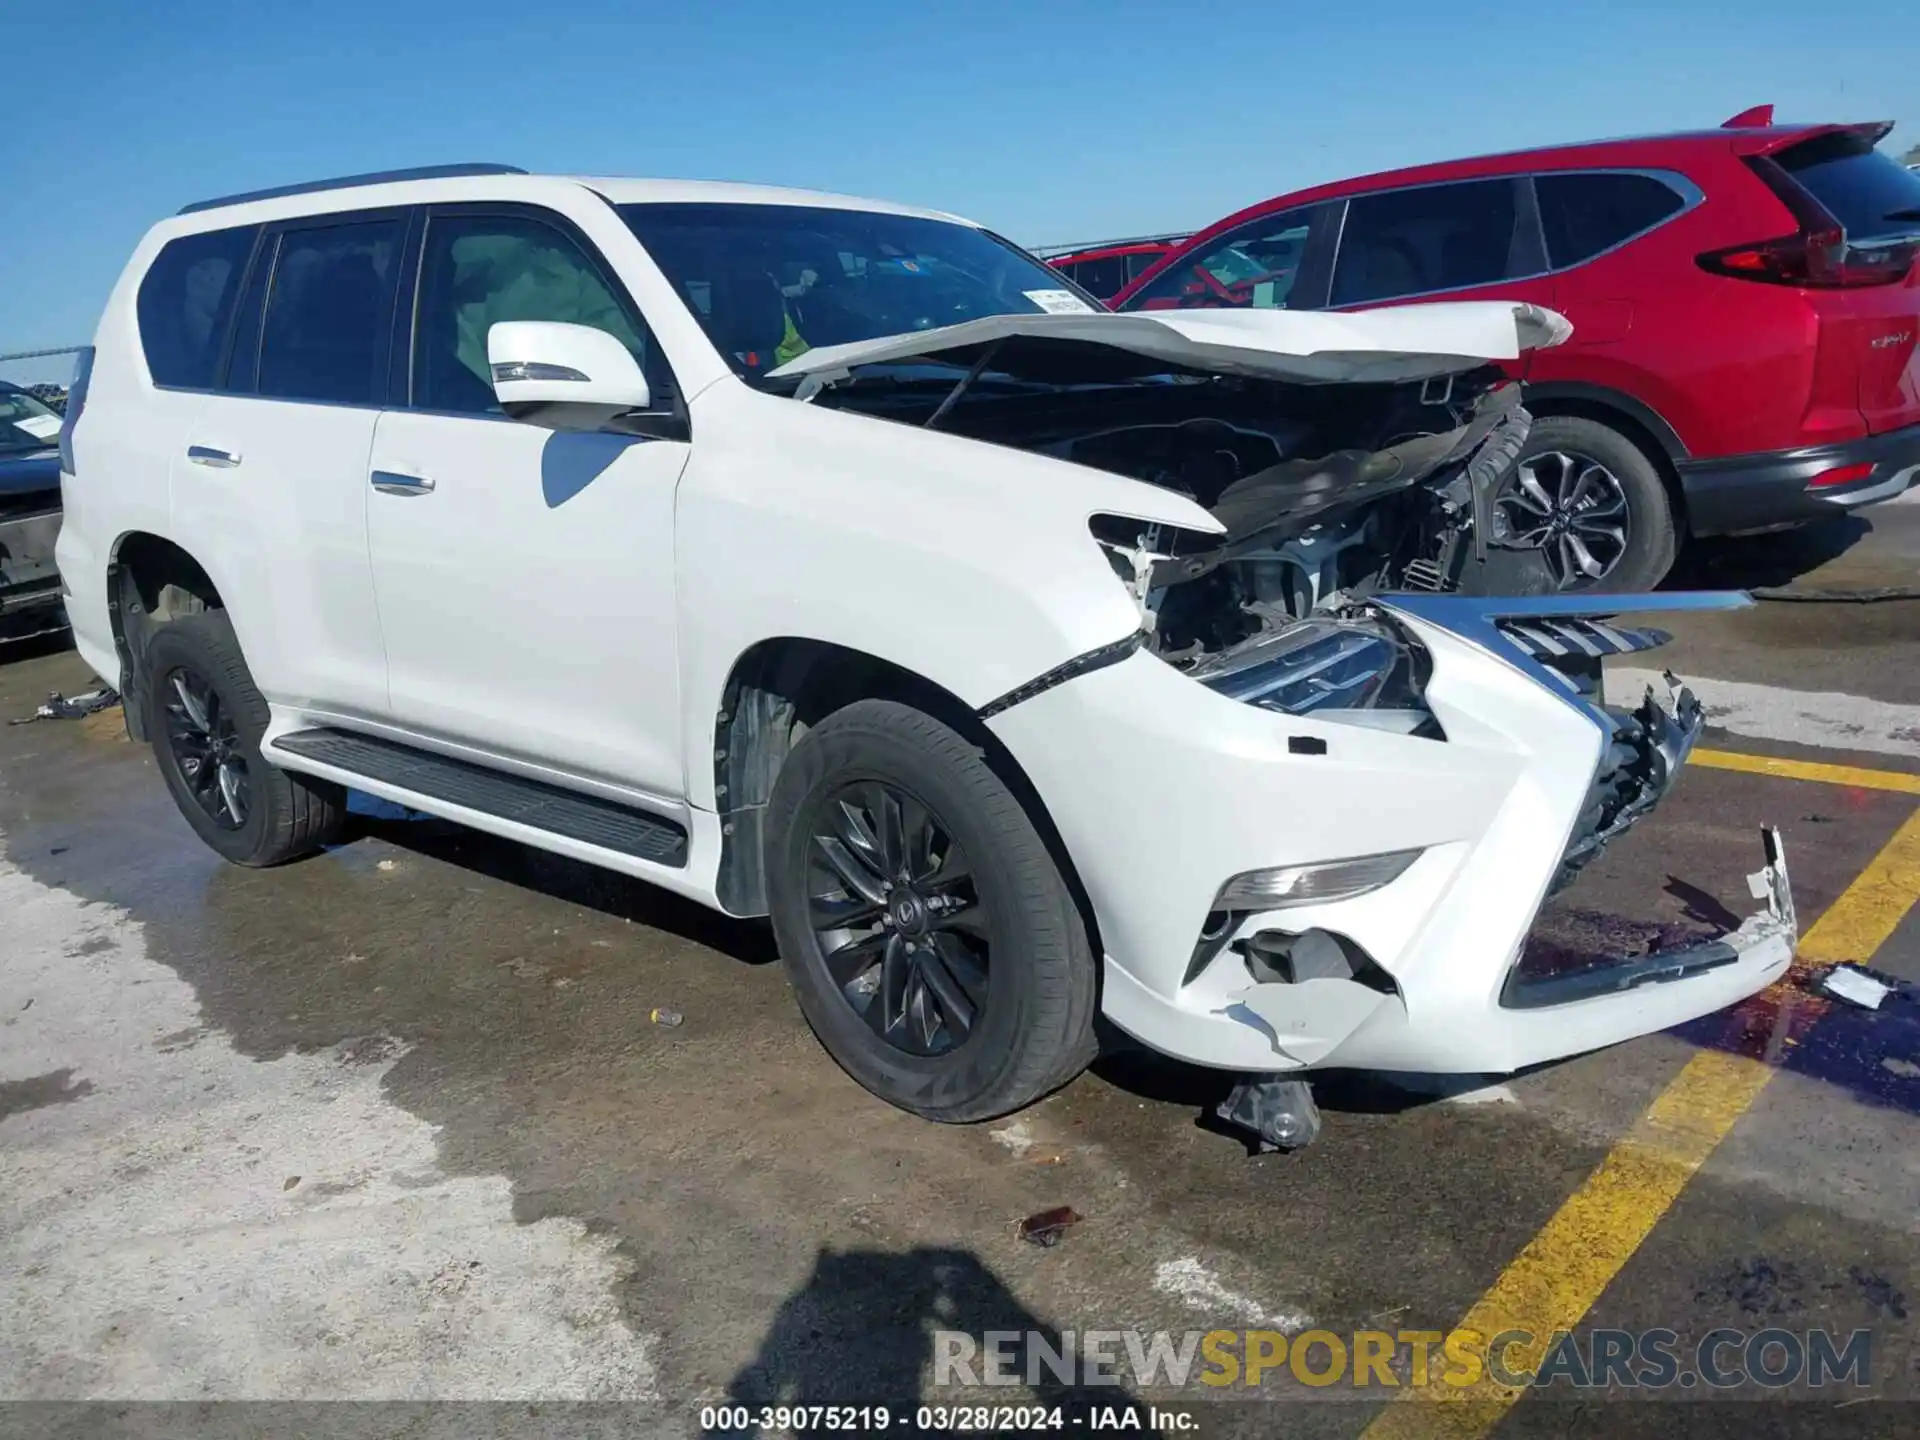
(1277,1109)
(661,1016)
(1856,987)
(1048,1226)
(61,707)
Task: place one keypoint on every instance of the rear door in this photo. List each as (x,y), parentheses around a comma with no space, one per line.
(271,485)
(1626,303)
(1877,326)
(1459,240)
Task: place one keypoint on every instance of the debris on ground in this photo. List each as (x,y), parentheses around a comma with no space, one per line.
(1278,1112)
(1016,1138)
(661,1016)
(1046,1228)
(1855,986)
(75,707)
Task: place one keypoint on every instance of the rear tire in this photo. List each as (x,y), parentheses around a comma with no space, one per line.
(1562,452)
(206,719)
(976,915)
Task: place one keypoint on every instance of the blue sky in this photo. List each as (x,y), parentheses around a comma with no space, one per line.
(1052,120)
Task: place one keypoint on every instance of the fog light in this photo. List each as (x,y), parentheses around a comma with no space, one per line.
(1317,884)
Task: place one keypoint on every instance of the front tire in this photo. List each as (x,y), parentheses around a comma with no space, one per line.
(206,718)
(932,942)
(1593,504)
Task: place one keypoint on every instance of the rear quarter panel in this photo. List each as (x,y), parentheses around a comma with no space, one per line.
(122,445)
(1728,364)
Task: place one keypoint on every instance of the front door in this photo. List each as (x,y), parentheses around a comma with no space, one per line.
(525,576)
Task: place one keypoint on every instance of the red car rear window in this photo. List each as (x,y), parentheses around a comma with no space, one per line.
(1866,190)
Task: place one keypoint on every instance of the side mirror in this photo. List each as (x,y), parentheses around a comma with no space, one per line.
(563,377)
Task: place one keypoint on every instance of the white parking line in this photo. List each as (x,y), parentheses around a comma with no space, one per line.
(1800,717)
(181,1222)
(1198,1288)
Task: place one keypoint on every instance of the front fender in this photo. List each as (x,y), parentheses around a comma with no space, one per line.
(963,562)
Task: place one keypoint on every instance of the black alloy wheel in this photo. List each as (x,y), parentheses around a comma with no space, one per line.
(207,747)
(205,719)
(899,925)
(932,939)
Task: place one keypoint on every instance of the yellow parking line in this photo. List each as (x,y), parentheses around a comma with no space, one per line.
(1555,1281)
(1855,775)
(1873,905)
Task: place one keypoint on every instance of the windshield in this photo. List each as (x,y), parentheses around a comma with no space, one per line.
(770,282)
(25,424)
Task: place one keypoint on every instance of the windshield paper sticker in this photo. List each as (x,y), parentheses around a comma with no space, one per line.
(41,426)
(1059,302)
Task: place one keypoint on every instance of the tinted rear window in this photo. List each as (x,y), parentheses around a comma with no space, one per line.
(1867,191)
(1585,214)
(1435,237)
(324,336)
(186,301)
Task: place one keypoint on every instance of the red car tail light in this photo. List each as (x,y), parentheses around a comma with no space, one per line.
(1819,256)
(1821,260)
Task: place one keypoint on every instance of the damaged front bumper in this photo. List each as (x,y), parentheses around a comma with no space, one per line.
(1536,775)
(1767,937)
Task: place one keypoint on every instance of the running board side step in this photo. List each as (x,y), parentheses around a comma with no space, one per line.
(533,803)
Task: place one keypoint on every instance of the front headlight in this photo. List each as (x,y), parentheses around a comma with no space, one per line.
(1358,671)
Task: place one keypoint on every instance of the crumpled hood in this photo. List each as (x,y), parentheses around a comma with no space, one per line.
(1393,343)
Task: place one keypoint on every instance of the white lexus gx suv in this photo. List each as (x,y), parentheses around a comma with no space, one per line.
(836,561)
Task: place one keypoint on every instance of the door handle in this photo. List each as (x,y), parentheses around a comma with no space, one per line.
(208,455)
(391,482)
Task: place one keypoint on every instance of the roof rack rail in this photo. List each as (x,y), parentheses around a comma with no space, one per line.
(347,182)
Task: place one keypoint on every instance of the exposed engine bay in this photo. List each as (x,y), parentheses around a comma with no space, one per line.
(1388,488)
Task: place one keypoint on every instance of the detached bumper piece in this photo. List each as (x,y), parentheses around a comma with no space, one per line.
(1277,1110)
(1774,930)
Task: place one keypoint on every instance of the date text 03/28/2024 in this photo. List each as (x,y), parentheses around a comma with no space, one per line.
(940,1419)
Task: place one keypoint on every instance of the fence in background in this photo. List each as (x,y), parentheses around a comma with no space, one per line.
(31,368)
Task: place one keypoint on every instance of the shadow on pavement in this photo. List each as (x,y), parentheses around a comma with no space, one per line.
(1767,561)
(865,1330)
(18,645)
(606,891)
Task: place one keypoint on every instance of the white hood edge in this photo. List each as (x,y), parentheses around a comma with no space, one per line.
(1398,342)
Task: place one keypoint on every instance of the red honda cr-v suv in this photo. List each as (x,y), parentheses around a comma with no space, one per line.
(1744,301)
